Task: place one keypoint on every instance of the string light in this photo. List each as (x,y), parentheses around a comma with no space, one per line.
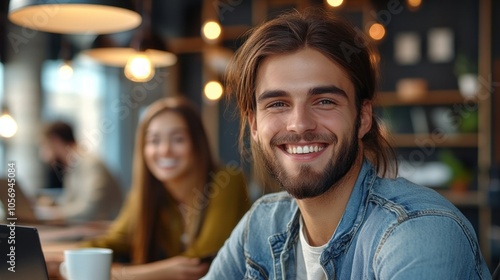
(211,31)
(334,3)
(213,90)
(377,31)
(413,4)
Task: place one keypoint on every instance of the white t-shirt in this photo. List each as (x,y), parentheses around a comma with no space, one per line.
(308,266)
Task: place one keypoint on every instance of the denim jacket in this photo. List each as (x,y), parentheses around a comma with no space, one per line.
(391,229)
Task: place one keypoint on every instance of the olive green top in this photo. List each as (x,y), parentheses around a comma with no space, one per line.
(227,202)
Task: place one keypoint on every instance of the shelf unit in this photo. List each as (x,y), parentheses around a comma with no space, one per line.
(443,140)
(431,98)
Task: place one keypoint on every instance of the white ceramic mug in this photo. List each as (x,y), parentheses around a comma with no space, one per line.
(86,264)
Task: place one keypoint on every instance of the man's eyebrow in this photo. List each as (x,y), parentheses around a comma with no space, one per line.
(327,89)
(271,94)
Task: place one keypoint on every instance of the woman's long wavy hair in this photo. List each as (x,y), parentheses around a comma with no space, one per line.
(151,193)
(335,38)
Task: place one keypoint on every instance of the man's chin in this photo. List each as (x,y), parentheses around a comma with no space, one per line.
(302,184)
(304,192)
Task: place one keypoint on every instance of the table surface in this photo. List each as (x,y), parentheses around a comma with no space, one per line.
(56,239)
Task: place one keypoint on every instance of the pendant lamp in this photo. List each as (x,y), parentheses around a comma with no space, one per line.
(75,16)
(139,58)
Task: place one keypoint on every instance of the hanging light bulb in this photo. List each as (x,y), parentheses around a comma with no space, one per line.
(65,70)
(8,126)
(139,68)
(66,53)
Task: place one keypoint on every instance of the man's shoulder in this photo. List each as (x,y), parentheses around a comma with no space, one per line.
(410,196)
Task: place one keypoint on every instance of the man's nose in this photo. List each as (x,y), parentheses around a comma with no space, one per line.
(301,120)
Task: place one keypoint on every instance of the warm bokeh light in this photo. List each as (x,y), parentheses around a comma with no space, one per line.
(8,126)
(414,4)
(139,68)
(334,3)
(377,31)
(213,90)
(211,30)
(65,71)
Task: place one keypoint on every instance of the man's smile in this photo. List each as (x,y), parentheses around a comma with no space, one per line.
(303,148)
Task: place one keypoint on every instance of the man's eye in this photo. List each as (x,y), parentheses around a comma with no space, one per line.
(326,102)
(277,104)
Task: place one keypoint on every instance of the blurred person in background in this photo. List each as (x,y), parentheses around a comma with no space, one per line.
(182,205)
(90,192)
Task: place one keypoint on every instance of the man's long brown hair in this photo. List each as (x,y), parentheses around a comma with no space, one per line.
(332,36)
(151,193)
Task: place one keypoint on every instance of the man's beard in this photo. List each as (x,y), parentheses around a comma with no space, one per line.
(308,183)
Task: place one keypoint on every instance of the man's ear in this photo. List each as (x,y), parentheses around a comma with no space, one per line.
(365,118)
(253,125)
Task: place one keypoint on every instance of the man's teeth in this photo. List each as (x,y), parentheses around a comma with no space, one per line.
(303,149)
(167,162)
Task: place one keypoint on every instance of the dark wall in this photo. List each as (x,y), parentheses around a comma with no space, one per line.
(459,15)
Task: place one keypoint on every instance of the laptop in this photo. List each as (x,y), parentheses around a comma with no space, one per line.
(21,208)
(21,255)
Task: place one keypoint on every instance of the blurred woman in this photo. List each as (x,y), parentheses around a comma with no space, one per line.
(182,206)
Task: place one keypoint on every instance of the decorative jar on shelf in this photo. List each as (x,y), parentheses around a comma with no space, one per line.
(466,72)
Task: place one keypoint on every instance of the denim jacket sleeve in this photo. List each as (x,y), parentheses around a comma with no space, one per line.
(425,237)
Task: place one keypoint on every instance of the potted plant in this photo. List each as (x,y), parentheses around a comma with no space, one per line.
(462,176)
(466,72)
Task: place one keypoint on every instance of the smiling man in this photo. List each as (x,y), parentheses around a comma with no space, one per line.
(304,84)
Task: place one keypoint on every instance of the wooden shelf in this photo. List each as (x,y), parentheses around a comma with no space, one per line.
(461,199)
(447,140)
(433,97)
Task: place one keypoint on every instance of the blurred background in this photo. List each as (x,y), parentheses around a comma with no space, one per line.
(439,62)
